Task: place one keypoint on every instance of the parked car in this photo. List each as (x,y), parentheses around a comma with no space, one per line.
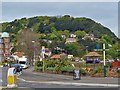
(18,67)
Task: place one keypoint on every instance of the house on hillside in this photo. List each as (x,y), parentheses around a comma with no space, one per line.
(72,35)
(90,37)
(70,40)
(70,56)
(48,52)
(63,36)
(56,57)
(59,56)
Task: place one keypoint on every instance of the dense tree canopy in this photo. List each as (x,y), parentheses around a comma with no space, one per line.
(52,32)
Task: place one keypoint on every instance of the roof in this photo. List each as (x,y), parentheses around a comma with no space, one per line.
(93,54)
(5,34)
(19,54)
(63,54)
(47,50)
(70,39)
(55,56)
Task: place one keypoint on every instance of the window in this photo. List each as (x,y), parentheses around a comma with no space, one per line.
(1,45)
(1,51)
(7,46)
(6,40)
(22,62)
(7,51)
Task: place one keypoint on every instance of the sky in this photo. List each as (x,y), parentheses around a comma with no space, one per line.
(105,13)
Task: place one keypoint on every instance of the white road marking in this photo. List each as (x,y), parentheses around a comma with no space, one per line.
(18,74)
(69,83)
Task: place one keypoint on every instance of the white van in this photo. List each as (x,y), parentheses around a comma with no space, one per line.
(23,62)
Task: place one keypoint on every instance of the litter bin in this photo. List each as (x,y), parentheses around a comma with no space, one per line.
(76,74)
(12,78)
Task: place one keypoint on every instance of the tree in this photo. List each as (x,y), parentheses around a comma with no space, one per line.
(66,33)
(106,39)
(74,49)
(24,43)
(113,51)
(80,34)
(53,29)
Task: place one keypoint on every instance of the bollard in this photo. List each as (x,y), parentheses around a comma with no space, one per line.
(12,78)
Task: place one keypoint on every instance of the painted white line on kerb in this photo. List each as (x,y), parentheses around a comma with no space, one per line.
(69,83)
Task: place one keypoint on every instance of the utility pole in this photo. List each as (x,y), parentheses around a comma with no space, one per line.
(43,52)
(103,50)
(34,52)
(104,60)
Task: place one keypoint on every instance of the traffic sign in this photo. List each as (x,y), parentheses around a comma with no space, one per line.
(98,46)
(98,49)
(101,49)
(43,49)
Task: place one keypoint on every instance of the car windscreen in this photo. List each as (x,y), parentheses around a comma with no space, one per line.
(22,62)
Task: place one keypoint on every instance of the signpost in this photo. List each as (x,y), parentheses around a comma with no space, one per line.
(34,53)
(43,56)
(103,56)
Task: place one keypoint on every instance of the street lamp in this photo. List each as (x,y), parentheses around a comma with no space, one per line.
(34,52)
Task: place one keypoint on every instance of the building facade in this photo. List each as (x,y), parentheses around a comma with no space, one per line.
(1,49)
(4,46)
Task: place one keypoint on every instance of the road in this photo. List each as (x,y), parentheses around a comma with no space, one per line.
(30,79)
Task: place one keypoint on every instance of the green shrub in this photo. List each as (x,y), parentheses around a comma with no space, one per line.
(118,71)
(109,65)
(39,63)
(83,72)
(50,63)
(99,69)
(51,68)
(67,68)
(63,65)
(38,68)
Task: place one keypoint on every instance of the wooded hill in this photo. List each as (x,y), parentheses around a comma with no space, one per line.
(53,27)
(43,24)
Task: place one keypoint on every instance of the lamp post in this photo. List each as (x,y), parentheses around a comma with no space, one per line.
(34,52)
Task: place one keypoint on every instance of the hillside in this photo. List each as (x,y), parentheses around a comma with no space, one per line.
(43,24)
(51,28)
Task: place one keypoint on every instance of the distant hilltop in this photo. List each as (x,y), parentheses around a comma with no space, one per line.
(47,24)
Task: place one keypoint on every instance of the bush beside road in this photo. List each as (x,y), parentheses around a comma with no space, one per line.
(66,67)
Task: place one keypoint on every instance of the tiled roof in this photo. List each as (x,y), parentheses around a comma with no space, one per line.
(19,54)
(93,54)
(55,56)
